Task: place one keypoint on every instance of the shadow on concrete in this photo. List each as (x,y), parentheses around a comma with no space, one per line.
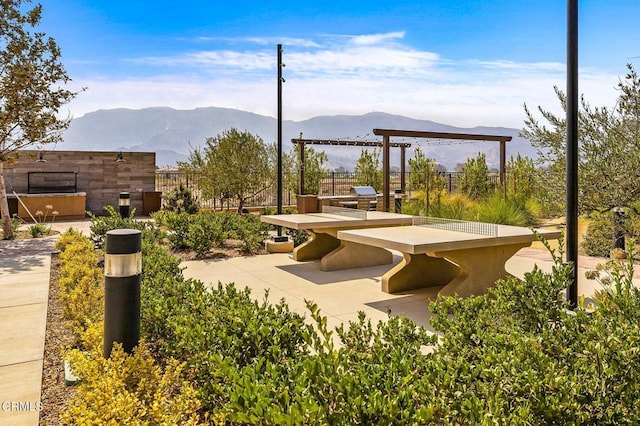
(413,305)
(310,271)
(18,256)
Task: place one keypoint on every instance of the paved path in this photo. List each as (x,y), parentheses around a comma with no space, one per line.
(24,292)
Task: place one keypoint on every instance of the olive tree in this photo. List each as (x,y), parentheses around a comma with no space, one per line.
(368,170)
(609,149)
(314,170)
(425,172)
(236,164)
(32,81)
(474,181)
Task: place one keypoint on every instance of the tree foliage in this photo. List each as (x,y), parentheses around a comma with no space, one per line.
(425,173)
(235,164)
(474,181)
(314,170)
(368,170)
(32,81)
(522,178)
(609,149)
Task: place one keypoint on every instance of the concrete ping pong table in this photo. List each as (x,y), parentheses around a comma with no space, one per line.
(324,243)
(465,257)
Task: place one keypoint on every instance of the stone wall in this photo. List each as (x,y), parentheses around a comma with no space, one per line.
(99,175)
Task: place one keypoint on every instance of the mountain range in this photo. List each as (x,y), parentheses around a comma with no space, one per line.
(173,133)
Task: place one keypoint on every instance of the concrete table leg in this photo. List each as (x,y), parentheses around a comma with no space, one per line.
(480,268)
(319,245)
(353,255)
(418,271)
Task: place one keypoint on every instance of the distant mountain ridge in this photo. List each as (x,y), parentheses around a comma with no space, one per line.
(171,133)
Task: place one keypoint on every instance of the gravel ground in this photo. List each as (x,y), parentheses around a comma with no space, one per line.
(55,393)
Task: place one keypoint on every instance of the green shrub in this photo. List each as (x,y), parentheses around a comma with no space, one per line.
(598,240)
(211,328)
(203,233)
(100,225)
(298,236)
(180,200)
(252,232)
(39,230)
(178,225)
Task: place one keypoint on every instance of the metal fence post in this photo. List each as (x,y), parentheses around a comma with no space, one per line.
(122,269)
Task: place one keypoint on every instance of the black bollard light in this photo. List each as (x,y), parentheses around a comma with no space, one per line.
(124,202)
(397,198)
(618,228)
(122,269)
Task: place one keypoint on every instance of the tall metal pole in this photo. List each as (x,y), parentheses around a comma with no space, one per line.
(572,148)
(279,171)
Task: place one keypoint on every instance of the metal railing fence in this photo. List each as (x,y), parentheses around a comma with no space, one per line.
(334,184)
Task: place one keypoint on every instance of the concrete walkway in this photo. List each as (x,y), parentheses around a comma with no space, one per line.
(340,295)
(24,292)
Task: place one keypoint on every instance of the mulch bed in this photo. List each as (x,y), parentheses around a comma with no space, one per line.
(55,393)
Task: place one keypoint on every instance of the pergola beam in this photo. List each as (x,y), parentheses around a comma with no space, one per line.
(441,135)
(347,143)
(388,133)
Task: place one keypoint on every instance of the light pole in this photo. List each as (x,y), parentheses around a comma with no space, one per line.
(279,167)
(572,149)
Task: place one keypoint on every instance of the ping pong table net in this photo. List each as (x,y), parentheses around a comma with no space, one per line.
(481,228)
(341,211)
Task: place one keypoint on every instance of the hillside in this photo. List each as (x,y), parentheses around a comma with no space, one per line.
(171,133)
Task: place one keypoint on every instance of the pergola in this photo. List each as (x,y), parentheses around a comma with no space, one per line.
(386,144)
(302,142)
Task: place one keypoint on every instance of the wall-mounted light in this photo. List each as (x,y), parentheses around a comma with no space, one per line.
(41,158)
(120,158)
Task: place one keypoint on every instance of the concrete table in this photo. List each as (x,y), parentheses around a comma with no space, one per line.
(465,257)
(324,243)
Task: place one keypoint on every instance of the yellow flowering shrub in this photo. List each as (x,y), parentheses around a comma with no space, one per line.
(81,282)
(69,236)
(124,389)
(128,389)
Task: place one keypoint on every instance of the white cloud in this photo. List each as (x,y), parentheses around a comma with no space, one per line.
(340,74)
(372,39)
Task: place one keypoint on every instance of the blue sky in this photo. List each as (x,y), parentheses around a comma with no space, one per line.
(466,63)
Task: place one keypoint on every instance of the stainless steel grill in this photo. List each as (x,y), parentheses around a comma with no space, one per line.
(364,191)
(365,197)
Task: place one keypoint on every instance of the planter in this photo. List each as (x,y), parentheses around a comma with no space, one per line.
(151,202)
(307,203)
